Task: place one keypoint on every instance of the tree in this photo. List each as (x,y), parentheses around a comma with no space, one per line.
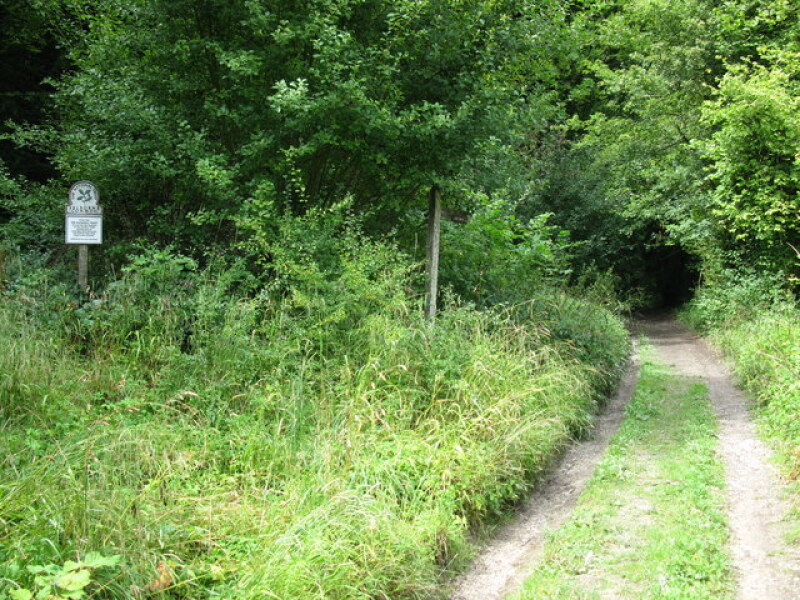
(29,57)
(187,111)
(755,162)
(684,132)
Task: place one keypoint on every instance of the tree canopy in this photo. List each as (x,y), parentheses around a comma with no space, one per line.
(638,124)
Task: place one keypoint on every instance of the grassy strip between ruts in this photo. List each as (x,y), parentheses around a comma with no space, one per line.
(651,523)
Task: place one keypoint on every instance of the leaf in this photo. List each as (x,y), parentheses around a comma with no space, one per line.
(44,592)
(74,580)
(20,594)
(95,560)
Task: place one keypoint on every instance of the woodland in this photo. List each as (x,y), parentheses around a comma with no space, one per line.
(248,401)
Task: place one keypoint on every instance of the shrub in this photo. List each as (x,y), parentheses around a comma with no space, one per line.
(496,258)
(730,297)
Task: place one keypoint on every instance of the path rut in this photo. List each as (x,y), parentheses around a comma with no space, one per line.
(506,561)
(766,567)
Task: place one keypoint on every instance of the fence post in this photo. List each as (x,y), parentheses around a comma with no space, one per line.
(434,229)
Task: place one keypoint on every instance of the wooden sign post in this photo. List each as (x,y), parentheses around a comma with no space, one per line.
(83,225)
(434,229)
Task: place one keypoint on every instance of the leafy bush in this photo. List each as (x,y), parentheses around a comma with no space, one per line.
(36,214)
(321,99)
(69,581)
(754,151)
(496,258)
(730,297)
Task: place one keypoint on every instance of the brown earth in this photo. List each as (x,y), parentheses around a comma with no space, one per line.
(766,567)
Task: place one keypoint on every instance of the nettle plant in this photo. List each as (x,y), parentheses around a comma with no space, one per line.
(73,580)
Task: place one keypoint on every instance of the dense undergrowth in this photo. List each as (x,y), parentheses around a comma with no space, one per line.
(191,433)
(758,327)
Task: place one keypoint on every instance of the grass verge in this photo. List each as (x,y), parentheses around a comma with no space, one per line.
(766,356)
(651,523)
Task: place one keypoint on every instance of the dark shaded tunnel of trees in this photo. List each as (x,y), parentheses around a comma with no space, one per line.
(672,275)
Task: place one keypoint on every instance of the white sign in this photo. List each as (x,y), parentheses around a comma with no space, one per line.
(84,229)
(84,215)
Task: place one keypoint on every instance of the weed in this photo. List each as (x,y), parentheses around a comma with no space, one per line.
(70,581)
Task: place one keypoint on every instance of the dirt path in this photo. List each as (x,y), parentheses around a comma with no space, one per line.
(505,562)
(766,568)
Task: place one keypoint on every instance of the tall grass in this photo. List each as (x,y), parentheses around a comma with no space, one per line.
(766,352)
(317,441)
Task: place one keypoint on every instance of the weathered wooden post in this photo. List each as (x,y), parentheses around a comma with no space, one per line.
(434,230)
(83,225)
(83,267)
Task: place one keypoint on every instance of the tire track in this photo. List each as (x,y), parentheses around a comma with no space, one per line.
(766,568)
(503,564)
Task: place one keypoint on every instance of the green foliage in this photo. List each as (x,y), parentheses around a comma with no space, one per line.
(682,128)
(650,70)
(589,332)
(28,363)
(766,354)
(620,171)
(29,56)
(69,581)
(35,214)
(496,258)
(286,423)
(646,127)
(316,436)
(651,522)
(732,297)
(148,307)
(180,111)
(754,153)
(756,324)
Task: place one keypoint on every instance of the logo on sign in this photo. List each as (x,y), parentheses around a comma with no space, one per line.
(84,199)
